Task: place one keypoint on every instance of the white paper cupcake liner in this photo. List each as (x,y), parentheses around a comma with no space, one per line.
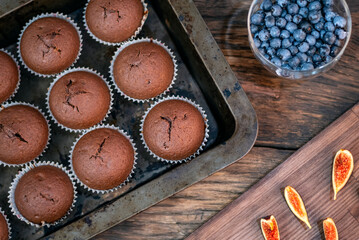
(21,173)
(43,15)
(85,69)
(126,44)
(7,221)
(134,162)
(18,70)
(145,15)
(9,104)
(206,135)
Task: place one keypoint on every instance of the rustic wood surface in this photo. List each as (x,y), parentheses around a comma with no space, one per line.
(290,113)
(309,171)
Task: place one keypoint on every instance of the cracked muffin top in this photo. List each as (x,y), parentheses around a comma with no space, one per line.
(103,159)
(143,70)
(79,100)
(9,76)
(174,129)
(114,20)
(23,134)
(44,194)
(4,228)
(49,45)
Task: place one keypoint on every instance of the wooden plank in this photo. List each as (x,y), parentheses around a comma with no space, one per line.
(309,172)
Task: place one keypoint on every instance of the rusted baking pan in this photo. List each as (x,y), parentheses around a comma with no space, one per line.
(204,76)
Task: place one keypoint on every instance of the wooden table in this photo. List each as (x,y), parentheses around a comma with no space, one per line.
(290,113)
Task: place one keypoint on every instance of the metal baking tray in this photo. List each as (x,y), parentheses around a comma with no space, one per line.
(204,76)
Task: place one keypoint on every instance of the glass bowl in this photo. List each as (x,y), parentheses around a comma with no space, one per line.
(340,7)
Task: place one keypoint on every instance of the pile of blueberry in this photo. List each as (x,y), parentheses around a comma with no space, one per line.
(298,34)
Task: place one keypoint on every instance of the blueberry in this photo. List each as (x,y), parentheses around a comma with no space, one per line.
(284,13)
(339,21)
(337,43)
(282,3)
(328,3)
(315,34)
(318,44)
(294,62)
(322,32)
(319,26)
(296,43)
(267,5)
(276,61)
(329,38)
(257,42)
(264,35)
(293,50)
(316,58)
(291,27)
(275,43)
(302,3)
(265,44)
(307,66)
(281,22)
(310,40)
(324,50)
(266,56)
(315,6)
(286,66)
(274,31)
(284,34)
(328,59)
(311,51)
(288,17)
(271,51)
(314,16)
(303,12)
(292,8)
(269,21)
(303,47)
(306,27)
(257,19)
(262,51)
(283,54)
(297,18)
(302,57)
(276,10)
(334,51)
(340,33)
(254,28)
(329,27)
(329,16)
(299,35)
(286,43)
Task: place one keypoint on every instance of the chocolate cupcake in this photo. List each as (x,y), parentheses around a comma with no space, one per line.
(79,98)
(49,44)
(42,194)
(174,129)
(4,227)
(24,133)
(103,159)
(9,77)
(143,69)
(114,21)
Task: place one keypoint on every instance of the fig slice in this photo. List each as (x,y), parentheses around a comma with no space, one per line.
(343,165)
(269,228)
(330,230)
(296,204)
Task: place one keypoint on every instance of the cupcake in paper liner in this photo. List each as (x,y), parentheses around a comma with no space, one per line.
(42,194)
(103,159)
(78,99)
(112,22)
(174,129)
(5,228)
(9,77)
(49,44)
(24,133)
(143,69)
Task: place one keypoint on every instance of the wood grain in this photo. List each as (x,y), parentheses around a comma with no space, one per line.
(309,172)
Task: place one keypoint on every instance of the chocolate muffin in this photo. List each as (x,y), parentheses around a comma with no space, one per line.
(24,134)
(143,70)
(4,228)
(44,194)
(103,159)
(174,129)
(114,21)
(79,99)
(9,76)
(49,45)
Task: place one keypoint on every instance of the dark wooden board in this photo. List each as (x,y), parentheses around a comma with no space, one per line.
(309,172)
